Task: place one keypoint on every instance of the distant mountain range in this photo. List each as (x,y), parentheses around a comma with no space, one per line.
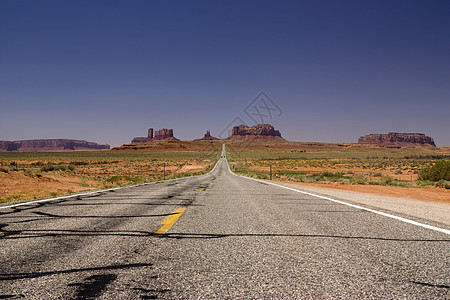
(260,132)
(49,145)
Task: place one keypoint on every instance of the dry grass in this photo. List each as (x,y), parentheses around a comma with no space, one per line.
(43,174)
(343,164)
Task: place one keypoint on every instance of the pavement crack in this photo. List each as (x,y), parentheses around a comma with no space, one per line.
(432,284)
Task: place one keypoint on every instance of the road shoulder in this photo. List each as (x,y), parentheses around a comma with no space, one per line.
(430,210)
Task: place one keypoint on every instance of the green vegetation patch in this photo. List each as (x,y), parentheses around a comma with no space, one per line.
(439,171)
(123,178)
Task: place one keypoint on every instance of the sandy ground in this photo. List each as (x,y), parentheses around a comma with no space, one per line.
(28,187)
(187,168)
(20,186)
(428,204)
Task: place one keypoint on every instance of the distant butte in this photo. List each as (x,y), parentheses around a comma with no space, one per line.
(160,135)
(260,132)
(397,139)
(207,137)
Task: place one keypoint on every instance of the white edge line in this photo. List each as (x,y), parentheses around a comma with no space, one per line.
(107,190)
(351,205)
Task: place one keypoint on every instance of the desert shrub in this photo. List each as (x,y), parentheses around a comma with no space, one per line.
(443,184)
(331,175)
(375,182)
(4,169)
(121,178)
(79,163)
(71,167)
(48,167)
(387,180)
(440,171)
(358,179)
(13,166)
(51,167)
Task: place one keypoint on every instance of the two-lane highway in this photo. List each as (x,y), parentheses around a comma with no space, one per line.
(217,235)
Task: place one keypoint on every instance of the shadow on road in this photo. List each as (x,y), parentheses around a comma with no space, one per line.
(16,276)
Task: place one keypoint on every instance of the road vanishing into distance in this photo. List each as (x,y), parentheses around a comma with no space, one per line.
(216,236)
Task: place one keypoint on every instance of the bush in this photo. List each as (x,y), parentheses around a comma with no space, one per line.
(51,167)
(443,184)
(358,179)
(13,166)
(4,169)
(387,180)
(440,171)
(331,175)
(122,178)
(48,167)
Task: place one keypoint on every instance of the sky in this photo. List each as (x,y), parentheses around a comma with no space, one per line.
(319,71)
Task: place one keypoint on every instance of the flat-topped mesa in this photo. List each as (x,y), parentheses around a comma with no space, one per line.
(159,135)
(260,132)
(50,145)
(398,139)
(207,137)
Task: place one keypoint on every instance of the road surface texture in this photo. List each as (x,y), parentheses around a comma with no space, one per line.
(216,236)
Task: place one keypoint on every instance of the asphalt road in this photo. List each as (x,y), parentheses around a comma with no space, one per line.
(231,238)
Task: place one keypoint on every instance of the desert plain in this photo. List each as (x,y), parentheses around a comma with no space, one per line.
(392,171)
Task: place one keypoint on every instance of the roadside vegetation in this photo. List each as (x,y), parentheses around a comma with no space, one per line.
(334,165)
(28,175)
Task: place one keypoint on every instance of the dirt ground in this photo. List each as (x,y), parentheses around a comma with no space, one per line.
(28,187)
(29,181)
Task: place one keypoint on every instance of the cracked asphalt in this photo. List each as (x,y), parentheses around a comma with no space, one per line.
(236,239)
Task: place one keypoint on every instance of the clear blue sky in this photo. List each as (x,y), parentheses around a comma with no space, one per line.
(106,71)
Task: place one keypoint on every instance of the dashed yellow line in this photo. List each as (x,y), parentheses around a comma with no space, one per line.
(170,220)
(202,190)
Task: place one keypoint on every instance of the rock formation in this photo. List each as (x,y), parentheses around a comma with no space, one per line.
(260,132)
(163,134)
(397,139)
(207,137)
(49,145)
(139,140)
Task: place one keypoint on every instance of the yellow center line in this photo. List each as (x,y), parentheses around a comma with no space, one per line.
(170,220)
(202,190)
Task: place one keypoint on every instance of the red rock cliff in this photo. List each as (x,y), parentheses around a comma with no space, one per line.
(397,139)
(158,135)
(263,132)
